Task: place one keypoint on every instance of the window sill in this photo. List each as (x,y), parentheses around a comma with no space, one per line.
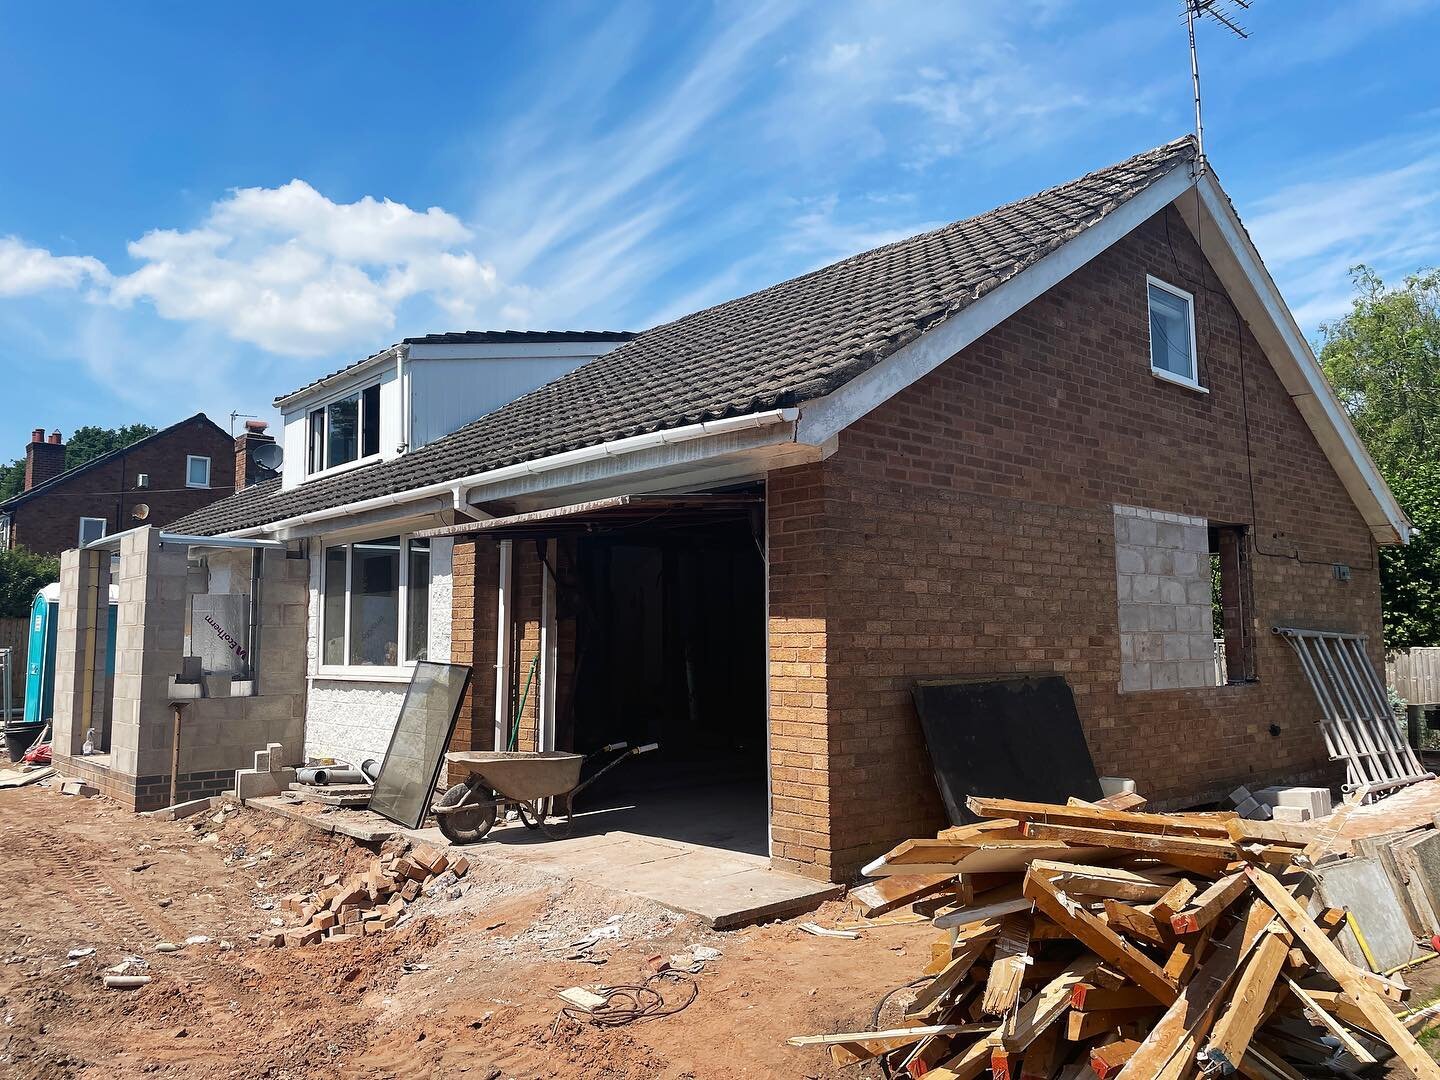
(1177,380)
(366,674)
(335,470)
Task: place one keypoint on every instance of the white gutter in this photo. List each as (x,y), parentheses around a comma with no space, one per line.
(615,448)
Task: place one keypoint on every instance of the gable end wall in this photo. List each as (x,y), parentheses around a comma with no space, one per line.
(966,527)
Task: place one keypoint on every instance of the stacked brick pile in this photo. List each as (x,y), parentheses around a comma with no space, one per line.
(367,903)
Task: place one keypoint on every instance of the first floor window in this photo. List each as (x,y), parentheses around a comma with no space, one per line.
(376,602)
(345,430)
(1172,332)
(197,471)
(91,529)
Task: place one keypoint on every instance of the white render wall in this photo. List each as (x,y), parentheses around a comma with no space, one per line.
(352,719)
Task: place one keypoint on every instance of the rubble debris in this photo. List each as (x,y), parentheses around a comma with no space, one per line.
(367,903)
(1086,940)
(125,982)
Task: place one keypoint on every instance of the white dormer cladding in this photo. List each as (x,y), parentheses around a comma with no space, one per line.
(427,391)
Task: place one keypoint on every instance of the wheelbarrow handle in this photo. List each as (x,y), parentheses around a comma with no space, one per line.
(613,747)
(646,748)
(631,752)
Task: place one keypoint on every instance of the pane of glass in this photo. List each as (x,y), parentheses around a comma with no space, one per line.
(317,440)
(333,627)
(1170,333)
(344,430)
(371,435)
(200,471)
(375,602)
(416,755)
(417,601)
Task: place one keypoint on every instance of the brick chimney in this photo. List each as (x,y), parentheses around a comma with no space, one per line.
(246,471)
(43,459)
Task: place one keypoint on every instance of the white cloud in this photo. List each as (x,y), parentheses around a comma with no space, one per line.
(26,270)
(298,274)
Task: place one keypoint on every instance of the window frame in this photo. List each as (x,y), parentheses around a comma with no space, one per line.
(104,530)
(317,442)
(1193,382)
(190,460)
(402,613)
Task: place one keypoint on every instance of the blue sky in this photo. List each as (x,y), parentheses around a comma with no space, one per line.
(204,205)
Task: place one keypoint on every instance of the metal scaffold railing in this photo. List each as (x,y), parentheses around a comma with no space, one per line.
(1359,726)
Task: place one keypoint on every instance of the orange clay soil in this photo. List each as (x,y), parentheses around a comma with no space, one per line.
(465,986)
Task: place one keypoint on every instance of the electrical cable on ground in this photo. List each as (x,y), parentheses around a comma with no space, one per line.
(880,1008)
(632,1003)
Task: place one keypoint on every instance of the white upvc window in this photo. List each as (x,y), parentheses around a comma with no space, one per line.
(375,604)
(197,471)
(1172,334)
(343,431)
(91,529)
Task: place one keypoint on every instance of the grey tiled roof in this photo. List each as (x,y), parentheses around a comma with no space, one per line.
(789,343)
(476,337)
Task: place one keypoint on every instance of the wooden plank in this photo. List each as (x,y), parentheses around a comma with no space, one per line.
(887,894)
(1176,899)
(1097,818)
(1044,1055)
(1104,882)
(1100,939)
(1331,1023)
(1218,852)
(1185,957)
(1097,998)
(906,1035)
(1210,904)
(982,912)
(1047,1006)
(1007,969)
(1338,1005)
(1135,923)
(1245,831)
(1002,857)
(1080,1026)
(1177,1035)
(1109,1059)
(1343,972)
(1246,1010)
(931,994)
(968,1064)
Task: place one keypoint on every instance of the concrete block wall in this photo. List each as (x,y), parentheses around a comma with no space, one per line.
(1163,581)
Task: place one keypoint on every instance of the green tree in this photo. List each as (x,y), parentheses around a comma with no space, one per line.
(22,574)
(86,444)
(1383,358)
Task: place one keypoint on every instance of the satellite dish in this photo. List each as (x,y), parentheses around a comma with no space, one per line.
(141,511)
(268,456)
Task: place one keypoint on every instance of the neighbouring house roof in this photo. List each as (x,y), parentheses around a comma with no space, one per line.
(473,337)
(898,309)
(94,463)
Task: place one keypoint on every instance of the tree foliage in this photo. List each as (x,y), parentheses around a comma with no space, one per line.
(22,574)
(85,445)
(1383,358)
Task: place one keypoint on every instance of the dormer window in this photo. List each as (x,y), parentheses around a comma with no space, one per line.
(345,430)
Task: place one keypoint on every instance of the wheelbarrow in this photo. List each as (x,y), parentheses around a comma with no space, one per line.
(540,785)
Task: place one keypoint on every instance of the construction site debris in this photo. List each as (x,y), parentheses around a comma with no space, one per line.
(1089,940)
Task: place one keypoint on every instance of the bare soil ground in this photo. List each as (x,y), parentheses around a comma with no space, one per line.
(466,986)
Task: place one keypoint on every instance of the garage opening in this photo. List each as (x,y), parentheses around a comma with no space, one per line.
(670,649)
(653,608)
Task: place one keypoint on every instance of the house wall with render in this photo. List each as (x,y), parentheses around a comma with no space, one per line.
(968,527)
(351,717)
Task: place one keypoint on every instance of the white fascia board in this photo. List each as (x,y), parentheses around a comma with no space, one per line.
(513,349)
(341,379)
(826,417)
(1243,273)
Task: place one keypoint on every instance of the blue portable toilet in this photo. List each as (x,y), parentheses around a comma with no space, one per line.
(40,651)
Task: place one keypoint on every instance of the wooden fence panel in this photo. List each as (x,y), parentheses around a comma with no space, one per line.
(15,633)
(1415,675)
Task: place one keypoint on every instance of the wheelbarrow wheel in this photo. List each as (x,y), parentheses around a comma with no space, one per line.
(467,826)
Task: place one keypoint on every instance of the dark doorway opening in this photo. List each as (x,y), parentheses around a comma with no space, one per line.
(670,648)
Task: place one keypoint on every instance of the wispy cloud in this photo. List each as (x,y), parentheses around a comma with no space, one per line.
(1378,205)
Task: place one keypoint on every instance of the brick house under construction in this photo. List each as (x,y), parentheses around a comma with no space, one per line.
(1021,443)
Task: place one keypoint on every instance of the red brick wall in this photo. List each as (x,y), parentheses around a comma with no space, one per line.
(50,522)
(965,527)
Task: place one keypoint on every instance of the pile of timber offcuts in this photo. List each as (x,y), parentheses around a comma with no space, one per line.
(1096,940)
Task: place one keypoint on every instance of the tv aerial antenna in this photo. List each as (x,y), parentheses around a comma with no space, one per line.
(1226,14)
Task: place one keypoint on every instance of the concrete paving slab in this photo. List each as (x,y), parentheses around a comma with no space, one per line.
(1363,886)
(359,825)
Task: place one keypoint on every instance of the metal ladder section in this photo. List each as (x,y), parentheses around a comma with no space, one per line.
(1359,727)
